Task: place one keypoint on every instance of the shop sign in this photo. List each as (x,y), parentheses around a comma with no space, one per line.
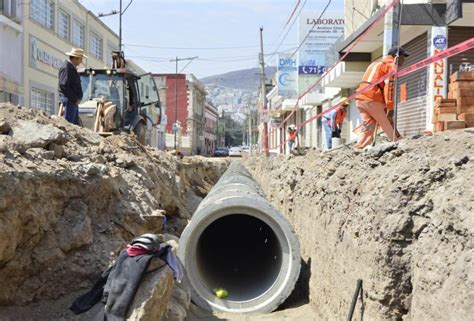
(39,55)
(275,122)
(287,75)
(438,69)
(440,42)
(317,37)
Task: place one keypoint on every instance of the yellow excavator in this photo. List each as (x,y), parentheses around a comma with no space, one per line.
(117,100)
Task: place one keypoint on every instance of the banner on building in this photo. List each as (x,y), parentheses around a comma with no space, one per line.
(317,36)
(287,75)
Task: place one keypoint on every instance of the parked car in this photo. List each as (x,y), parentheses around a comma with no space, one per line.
(221,152)
(235,151)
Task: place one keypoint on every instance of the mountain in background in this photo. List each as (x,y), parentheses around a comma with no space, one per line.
(246,79)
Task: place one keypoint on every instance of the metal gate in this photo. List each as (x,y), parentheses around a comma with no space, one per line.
(411,114)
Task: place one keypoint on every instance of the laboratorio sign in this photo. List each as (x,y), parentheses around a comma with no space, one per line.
(324,21)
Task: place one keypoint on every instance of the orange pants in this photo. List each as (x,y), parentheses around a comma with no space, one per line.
(372,113)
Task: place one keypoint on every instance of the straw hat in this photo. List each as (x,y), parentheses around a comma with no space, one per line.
(76,52)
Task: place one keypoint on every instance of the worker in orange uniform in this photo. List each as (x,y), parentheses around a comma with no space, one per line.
(292,137)
(373,103)
(332,121)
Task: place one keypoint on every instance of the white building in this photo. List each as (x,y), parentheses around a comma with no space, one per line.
(11,52)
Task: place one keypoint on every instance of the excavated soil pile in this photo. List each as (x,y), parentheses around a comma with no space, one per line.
(71,199)
(400,217)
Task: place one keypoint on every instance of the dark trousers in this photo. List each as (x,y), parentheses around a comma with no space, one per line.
(71,111)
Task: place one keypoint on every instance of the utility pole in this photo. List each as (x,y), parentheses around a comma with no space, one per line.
(263,110)
(120,13)
(175,124)
(250,130)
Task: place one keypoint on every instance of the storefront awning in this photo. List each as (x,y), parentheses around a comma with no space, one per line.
(314,99)
(288,104)
(346,74)
(421,14)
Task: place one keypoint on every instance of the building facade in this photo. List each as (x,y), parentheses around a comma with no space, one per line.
(51,28)
(185,100)
(11,52)
(197,101)
(210,129)
(426,28)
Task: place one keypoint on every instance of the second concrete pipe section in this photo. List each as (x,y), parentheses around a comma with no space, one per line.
(238,241)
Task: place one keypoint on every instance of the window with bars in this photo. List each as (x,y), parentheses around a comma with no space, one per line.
(42,11)
(95,46)
(77,34)
(64,25)
(42,100)
(8,8)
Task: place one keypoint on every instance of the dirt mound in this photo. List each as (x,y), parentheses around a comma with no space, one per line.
(399,217)
(71,199)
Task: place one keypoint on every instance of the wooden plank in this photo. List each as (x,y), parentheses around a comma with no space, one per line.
(447,117)
(447,110)
(462,84)
(464,101)
(461,75)
(462,93)
(466,117)
(457,124)
(445,102)
(465,109)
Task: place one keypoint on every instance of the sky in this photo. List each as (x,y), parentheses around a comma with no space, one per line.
(224,34)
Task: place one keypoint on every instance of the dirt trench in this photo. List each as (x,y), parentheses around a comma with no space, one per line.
(70,200)
(399,217)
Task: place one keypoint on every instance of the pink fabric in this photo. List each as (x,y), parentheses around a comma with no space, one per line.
(373,114)
(135,250)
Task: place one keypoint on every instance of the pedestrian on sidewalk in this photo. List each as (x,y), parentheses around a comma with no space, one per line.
(70,89)
(372,104)
(292,137)
(332,121)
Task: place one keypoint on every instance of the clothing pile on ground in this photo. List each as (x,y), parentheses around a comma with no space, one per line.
(116,287)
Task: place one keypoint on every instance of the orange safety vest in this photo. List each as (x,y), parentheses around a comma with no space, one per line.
(340,115)
(292,136)
(376,70)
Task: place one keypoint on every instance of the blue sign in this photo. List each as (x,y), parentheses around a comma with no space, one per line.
(287,75)
(440,42)
(311,70)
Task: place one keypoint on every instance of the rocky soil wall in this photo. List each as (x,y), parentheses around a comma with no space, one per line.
(400,217)
(70,200)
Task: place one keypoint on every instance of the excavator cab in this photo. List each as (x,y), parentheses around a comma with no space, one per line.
(116,100)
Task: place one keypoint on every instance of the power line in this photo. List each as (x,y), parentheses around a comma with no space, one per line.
(196,48)
(292,13)
(314,25)
(289,29)
(218,59)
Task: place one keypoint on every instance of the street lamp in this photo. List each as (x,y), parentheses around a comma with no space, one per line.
(175,125)
(120,12)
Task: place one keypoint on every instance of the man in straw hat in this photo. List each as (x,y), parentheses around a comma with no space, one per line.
(70,89)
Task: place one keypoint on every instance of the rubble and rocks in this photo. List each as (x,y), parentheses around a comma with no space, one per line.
(399,217)
(70,200)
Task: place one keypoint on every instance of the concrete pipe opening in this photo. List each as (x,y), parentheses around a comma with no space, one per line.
(240,253)
(238,241)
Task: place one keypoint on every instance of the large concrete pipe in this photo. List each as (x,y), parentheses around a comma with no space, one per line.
(237,241)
